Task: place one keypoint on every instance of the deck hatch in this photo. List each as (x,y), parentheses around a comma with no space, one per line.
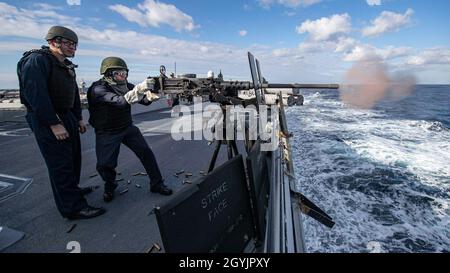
(11,186)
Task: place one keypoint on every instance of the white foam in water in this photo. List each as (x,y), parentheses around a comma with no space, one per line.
(374,247)
(385,182)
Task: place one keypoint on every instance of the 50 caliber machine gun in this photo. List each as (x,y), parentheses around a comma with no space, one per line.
(227,93)
(237,207)
(224,92)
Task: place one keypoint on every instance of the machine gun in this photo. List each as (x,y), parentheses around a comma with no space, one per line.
(251,208)
(227,93)
(224,92)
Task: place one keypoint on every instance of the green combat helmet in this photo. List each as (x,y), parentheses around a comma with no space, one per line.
(112,62)
(59,31)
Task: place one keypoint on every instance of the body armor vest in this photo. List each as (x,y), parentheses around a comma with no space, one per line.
(104,117)
(61,81)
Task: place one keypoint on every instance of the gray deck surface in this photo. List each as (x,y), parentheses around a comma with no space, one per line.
(127,225)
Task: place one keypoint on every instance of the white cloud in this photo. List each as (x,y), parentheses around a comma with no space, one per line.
(327,34)
(30,23)
(111,25)
(326,28)
(35,23)
(374,2)
(287,52)
(266,3)
(311,47)
(10,47)
(132,15)
(296,3)
(365,52)
(341,44)
(45,6)
(153,13)
(344,44)
(361,53)
(331,34)
(144,53)
(388,22)
(243,33)
(430,57)
(281,52)
(73,2)
(391,52)
(154,45)
(288,3)
(289,13)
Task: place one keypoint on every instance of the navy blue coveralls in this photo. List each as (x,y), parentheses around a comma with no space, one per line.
(110,115)
(63,158)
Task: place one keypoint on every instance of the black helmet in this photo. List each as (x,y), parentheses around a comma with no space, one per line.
(112,62)
(59,31)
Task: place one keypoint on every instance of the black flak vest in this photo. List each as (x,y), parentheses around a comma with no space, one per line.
(61,81)
(105,117)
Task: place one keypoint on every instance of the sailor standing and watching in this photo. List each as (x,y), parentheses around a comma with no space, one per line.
(49,90)
(110,100)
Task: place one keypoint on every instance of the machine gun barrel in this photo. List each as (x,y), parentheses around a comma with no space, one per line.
(301,86)
(248,85)
(204,86)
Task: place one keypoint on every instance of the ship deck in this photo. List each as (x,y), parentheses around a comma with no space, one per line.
(128,225)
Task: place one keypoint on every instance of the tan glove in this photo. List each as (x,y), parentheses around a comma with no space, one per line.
(138,92)
(151,96)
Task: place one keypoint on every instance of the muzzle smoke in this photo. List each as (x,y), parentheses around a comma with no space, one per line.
(366,83)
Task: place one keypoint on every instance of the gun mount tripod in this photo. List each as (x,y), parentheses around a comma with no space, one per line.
(232,149)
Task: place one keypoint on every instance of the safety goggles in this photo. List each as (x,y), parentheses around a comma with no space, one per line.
(69,43)
(122,73)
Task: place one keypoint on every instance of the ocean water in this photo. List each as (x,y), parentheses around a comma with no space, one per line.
(382,174)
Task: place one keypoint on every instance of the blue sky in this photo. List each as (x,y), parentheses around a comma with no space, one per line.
(305,41)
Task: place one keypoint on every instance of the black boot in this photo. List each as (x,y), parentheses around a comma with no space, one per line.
(161,189)
(108,196)
(110,187)
(87,213)
(87,190)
